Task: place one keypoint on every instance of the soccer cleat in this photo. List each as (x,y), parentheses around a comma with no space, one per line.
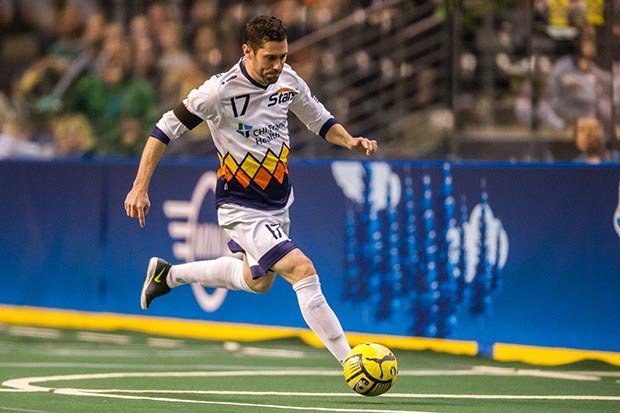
(155,282)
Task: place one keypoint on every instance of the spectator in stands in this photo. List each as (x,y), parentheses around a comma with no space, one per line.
(206,51)
(73,135)
(202,13)
(144,51)
(90,46)
(44,73)
(119,104)
(616,74)
(15,140)
(590,141)
(174,62)
(577,86)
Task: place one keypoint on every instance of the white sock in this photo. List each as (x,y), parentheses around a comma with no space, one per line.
(320,317)
(223,272)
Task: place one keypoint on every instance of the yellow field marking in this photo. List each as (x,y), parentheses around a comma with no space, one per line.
(47,317)
(546,356)
(56,318)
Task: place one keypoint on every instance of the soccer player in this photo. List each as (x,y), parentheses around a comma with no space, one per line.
(246,110)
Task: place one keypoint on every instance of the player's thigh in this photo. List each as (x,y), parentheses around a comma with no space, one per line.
(294,266)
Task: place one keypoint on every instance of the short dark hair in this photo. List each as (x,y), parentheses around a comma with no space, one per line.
(262,29)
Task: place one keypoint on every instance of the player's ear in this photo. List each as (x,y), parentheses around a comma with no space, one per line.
(247,51)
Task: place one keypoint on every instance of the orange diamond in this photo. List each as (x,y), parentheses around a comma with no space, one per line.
(242,178)
(221,171)
(262,178)
(279,172)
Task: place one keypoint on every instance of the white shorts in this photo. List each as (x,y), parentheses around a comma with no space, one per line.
(261,235)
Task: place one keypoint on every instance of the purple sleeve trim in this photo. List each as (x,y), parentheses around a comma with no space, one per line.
(326,126)
(160,135)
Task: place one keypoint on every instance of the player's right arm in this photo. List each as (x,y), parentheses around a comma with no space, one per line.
(171,126)
(137,201)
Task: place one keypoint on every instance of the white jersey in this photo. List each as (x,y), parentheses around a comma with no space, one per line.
(249,125)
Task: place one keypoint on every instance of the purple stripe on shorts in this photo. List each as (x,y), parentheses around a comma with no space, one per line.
(266,261)
(257,271)
(234,247)
(275,254)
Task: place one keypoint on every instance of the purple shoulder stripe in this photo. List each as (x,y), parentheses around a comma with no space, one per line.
(326,126)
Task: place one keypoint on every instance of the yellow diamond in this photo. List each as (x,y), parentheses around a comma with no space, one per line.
(284,154)
(250,166)
(230,163)
(270,162)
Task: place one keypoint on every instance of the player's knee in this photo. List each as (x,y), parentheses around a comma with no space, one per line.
(295,267)
(262,284)
(260,288)
(301,268)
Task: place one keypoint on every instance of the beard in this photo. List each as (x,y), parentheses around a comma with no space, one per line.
(271,77)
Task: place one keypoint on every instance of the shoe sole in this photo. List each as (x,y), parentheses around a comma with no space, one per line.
(150,274)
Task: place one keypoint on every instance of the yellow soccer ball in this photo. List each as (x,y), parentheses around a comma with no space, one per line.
(370,369)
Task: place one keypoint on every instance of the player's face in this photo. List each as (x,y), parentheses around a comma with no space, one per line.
(266,63)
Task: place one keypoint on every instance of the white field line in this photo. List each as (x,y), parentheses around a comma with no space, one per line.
(26,383)
(502,371)
(164,342)
(351,394)
(476,371)
(14,409)
(124,352)
(276,353)
(136,366)
(21,331)
(102,338)
(76,392)
(597,373)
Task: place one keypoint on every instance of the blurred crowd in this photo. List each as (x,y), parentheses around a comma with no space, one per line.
(548,67)
(89,77)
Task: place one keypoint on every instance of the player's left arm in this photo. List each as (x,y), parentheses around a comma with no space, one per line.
(338,135)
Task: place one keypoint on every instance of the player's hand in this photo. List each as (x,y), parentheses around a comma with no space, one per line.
(137,204)
(364,146)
